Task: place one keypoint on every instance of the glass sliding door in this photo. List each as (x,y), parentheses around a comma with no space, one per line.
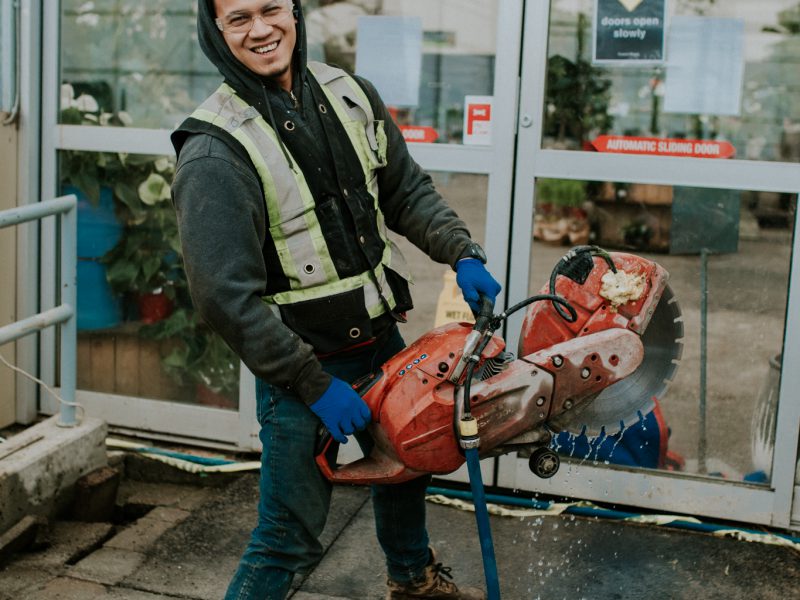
(708,188)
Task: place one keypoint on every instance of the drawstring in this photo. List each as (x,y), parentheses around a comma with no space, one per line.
(275,127)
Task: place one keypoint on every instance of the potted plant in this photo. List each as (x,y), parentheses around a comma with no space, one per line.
(145,264)
(141,262)
(560,214)
(200,359)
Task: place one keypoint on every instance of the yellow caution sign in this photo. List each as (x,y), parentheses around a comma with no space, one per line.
(451,306)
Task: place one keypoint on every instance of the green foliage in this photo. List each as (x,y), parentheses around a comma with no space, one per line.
(561,192)
(577,96)
(200,357)
(147,258)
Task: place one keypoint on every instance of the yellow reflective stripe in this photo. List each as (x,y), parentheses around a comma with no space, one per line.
(270,193)
(321,253)
(329,289)
(357,143)
(295,248)
(291,250)
(372,298)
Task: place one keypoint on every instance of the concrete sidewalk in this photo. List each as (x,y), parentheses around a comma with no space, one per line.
(182,540)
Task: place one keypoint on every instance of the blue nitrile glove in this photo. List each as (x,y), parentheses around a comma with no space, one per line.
(473,279)
(341,410)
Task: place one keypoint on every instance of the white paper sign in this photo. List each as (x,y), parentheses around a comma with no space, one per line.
(389,54)
(705,66)
(477,120)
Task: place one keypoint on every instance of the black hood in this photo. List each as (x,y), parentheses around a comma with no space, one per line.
(235,73)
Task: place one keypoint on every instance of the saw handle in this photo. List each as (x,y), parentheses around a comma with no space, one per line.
(484,316)
(325,451)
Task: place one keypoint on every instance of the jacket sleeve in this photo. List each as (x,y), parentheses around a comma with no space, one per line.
(221,219)
(412,206)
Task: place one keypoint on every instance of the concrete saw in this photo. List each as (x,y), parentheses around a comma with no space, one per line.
(597,345)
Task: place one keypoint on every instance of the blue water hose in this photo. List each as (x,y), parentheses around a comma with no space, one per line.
(482,518)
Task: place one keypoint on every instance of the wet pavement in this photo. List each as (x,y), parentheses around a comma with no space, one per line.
(180,537)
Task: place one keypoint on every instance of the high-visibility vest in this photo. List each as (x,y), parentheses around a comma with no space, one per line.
(293,225)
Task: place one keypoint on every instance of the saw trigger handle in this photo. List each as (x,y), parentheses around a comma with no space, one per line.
(485,314)
(325,450)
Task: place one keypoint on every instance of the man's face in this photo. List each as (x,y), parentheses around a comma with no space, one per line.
(266,49)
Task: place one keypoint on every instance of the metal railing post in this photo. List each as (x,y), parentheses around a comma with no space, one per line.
(65,314)
(69,330)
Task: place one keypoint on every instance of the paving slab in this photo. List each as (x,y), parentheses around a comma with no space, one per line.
(66,588)
(146,493)
(16,581)
(558,557)
(306,596)
(107,565)
(68,541)
(354,566)
(142,534)
(170,515)
(197,558)
(128,594)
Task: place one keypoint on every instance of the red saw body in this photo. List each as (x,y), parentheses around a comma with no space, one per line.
(563,367)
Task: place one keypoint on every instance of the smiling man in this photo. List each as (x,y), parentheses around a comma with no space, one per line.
(287,179)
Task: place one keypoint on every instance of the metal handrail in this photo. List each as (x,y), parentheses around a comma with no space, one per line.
(63,314)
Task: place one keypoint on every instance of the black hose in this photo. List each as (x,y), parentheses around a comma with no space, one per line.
(554,298)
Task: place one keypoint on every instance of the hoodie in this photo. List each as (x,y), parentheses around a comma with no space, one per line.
(222,215)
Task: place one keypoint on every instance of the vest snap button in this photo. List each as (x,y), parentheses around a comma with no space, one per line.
(323,109)
(289,126)
(345,192)
(361,239)
(355,333)
(309,268)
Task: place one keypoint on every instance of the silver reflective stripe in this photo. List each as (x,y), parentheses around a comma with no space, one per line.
(372,299)
(294,227)
(359,122)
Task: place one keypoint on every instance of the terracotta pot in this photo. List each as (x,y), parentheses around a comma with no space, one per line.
(154,307)
(207,397)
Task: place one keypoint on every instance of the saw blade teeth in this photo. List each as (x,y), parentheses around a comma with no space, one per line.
(625,402)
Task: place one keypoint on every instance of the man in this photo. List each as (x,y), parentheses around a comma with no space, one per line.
(287,178)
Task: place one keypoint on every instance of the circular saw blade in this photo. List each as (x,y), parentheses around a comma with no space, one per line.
(627,401)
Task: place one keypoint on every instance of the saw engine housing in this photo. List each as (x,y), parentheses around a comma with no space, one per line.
(415,399)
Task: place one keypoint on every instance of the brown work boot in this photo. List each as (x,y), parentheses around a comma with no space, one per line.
(432,584)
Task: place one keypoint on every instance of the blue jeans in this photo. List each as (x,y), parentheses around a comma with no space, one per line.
(295,496)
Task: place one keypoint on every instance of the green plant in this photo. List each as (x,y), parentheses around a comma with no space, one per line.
(561,192)
(147,259)
(200,356)
(577,95)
